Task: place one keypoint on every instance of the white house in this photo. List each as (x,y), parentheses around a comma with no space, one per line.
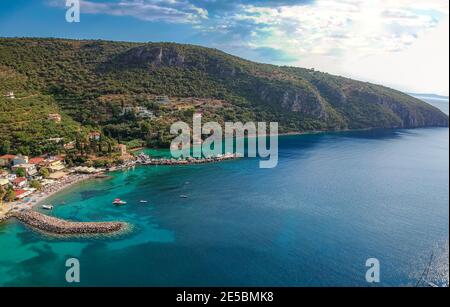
(4,182)
(141,112)
(10,95)
(162,99)
(19,159)
(30,169)
(20,182)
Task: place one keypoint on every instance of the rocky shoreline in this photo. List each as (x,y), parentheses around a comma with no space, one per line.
(4,217)
(57,226)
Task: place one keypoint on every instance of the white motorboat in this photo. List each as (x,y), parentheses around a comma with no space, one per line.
(119,202)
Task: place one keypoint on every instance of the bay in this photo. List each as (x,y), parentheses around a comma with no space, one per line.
(334,201)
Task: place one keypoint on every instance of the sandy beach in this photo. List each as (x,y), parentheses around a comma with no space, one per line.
(61,185)
(38,197)
(23,211)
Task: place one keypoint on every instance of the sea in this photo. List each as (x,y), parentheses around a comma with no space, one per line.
(334,201)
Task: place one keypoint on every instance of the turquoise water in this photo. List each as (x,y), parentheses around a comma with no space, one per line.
(334,201)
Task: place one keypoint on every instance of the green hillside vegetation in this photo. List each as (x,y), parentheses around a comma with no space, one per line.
(25,127)
(89,82)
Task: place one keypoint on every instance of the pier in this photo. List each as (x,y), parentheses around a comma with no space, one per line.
(57,226)
(146,160)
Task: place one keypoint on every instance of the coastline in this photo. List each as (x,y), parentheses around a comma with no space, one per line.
(39,197)
(71,180)
(26,213)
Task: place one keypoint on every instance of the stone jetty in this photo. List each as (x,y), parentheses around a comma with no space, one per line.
(146,160)
(57,226)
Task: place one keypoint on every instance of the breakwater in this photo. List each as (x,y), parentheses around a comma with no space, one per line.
(57,226)
(146,160)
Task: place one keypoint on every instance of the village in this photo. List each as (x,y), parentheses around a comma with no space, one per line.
(24,181)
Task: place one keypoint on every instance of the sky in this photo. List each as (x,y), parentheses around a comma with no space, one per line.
(403,44)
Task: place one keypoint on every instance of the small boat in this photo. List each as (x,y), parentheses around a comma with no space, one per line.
(143,201)
(184,196)
(47,207)
(119,202)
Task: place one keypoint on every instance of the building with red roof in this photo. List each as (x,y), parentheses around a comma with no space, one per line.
(20,194)
(20,182)
(36,161)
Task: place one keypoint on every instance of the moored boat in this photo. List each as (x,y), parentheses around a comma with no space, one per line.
(119,202)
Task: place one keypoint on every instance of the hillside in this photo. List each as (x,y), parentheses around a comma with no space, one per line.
(25,125)
(91,82)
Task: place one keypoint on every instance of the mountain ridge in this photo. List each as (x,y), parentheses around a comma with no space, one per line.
(82,76)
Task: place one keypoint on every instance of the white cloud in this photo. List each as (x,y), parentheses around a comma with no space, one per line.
(355,37)
(171,11)
(330,26)
(421,68)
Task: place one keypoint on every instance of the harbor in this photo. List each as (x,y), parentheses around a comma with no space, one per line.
(24,208)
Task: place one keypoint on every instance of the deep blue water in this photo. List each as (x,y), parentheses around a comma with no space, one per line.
(334,201)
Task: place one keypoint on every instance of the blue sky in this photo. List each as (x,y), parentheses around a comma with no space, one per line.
(399,43)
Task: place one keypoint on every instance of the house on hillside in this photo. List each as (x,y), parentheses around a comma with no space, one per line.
(20,182)
(55,117)
(143,112)
(95,136)
(70,145)
(10,95)
(54,164)
(162,99)
(6,160)
(30,169)
(36,161)
(140,112)
(127,109)
(21,194)
(56,140)
(11,177)
(19,159)
(4,182)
